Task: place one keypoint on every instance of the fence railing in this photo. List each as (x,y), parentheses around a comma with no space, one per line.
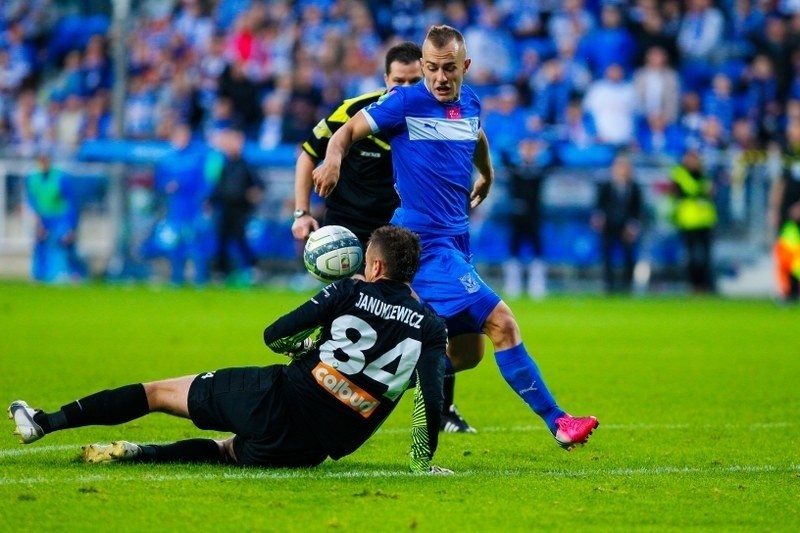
(120,209)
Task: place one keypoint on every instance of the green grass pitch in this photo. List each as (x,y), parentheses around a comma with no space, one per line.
(698,401)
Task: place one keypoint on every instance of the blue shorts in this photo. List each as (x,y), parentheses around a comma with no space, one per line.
(449,283)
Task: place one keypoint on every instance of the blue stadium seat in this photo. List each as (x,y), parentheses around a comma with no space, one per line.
(589,156)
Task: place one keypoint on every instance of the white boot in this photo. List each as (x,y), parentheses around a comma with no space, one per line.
(512,278)
(537,279)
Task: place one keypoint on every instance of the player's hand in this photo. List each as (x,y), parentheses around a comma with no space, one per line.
(439,471)
(300,349)
(325,176)
(480,190)
(303,226)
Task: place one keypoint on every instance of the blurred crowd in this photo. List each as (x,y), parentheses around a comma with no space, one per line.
(651,77)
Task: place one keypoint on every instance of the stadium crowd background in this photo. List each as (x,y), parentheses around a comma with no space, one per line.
(586,77)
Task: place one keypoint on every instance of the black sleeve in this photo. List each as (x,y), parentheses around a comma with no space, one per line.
(305,318)
(428,398)
(317,143)
(253,179)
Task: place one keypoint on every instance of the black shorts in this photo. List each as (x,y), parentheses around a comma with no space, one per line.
(249,402)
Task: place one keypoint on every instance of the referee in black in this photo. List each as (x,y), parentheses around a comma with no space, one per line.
(364,198)
(375,340)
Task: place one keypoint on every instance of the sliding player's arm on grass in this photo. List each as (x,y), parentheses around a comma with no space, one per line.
(428,399)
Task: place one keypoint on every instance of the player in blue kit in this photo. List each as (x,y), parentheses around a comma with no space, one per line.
(436,139)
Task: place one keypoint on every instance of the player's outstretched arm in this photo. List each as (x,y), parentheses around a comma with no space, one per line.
(303,182)
(326,176)
(483,162)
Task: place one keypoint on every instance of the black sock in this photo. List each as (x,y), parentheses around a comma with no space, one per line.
(449,390)
(183,451)
(104,408)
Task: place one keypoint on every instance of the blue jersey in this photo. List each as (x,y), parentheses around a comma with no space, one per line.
(433,144)
(185,169)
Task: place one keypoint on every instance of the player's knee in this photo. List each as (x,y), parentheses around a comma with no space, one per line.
(154,396)
(465,360)
(502,328)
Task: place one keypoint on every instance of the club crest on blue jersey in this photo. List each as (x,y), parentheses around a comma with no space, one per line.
(470,283)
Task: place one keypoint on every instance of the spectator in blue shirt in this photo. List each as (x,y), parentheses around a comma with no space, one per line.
(552,93)
(96,67)
(610,43)
(505,120)
(179,177)
(492,48)
(746,21)
(700,34)
(578,129)
(720,102)
(761,97)
(656,137)
(571,22)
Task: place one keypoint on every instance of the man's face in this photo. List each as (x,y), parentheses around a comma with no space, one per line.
(402,74)
(369,263)
(444,69)
(621,170)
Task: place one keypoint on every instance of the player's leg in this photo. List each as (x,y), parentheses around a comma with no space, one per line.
(172,397)
(523,375)
(469,350)
(184,451)
(104,408)
(465,351)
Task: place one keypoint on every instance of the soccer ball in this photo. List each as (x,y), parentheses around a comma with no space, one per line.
(332,253)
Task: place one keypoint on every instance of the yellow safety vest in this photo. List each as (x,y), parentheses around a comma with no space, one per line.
(694,210)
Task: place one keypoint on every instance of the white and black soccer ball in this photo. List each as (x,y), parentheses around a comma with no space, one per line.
(332,253)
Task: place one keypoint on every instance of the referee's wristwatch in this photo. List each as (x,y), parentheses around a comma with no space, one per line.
(299,213)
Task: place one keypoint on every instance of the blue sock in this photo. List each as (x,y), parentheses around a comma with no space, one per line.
(522,374)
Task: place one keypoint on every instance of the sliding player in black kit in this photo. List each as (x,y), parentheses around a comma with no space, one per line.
(375,340)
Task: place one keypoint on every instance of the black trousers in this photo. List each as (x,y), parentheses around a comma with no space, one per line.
(231,230)
(526,228)
(612,241)
(698,252)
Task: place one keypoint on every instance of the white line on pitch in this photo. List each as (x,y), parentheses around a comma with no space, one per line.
(490,429)
(628,427)
(313,474)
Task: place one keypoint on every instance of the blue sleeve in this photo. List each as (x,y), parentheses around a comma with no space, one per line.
(388,113)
